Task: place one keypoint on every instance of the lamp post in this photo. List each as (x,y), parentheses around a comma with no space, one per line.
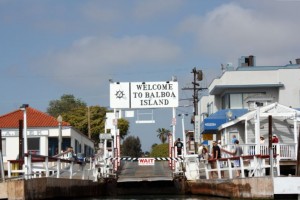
(23,108)
(183,134)
(59,119)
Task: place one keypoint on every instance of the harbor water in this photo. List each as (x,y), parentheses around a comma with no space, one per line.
(156,197)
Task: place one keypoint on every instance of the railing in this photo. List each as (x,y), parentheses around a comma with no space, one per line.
(254,164)
(44,166)
(283,151)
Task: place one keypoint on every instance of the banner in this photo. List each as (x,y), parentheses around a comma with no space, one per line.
(144,95)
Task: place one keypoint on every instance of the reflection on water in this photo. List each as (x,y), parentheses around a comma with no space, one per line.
(156,197)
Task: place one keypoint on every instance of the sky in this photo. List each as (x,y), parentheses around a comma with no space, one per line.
(50,48)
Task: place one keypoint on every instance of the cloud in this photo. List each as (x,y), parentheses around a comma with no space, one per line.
(92,59)
(230,30)
(155,8)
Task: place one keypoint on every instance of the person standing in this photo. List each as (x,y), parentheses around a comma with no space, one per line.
(199,151)
(275,140)
(233,139)
(216,154)
(238,151)
(263,148)
(179,146)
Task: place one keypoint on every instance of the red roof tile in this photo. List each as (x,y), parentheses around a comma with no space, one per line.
(35,118)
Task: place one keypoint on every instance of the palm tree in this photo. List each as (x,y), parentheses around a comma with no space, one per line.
(162,134)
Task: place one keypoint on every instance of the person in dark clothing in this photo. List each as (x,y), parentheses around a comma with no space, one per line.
(216,154)
(179,145)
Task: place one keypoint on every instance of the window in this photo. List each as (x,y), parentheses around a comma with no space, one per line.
(210,108)
(34,145)
(237,100)
(76,146)
(4,147)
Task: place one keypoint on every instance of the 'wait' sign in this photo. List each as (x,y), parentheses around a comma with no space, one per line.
(146,161)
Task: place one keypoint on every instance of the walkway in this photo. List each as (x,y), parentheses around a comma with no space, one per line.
(132,172)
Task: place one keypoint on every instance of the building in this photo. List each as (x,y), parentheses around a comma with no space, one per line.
(244,89)
(42,135)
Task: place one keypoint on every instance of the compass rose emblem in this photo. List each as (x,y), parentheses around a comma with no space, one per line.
(120,94)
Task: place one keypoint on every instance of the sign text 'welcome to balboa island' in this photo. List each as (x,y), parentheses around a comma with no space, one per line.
(144,95)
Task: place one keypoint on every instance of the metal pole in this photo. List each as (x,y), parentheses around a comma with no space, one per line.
(270,146)
(59,119)
(59,138)
(25,132)
(173,126)
(183,137)
(24,107)
(2,166)
(1,159)
(298,156)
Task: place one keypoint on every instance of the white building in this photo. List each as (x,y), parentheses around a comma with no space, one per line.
(42,135)
(244,89)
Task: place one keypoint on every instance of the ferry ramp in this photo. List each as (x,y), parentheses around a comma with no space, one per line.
(131,171)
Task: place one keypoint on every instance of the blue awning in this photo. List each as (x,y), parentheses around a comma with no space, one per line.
(212,122)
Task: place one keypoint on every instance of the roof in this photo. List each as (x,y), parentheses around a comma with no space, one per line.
(212,122)
(274,109)
(35,118)
(218,89)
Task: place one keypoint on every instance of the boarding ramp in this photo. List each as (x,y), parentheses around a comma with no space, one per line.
(131,171)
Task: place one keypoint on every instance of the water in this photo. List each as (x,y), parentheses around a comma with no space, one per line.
(156,197)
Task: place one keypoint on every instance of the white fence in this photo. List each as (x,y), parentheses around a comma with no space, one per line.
(44,166)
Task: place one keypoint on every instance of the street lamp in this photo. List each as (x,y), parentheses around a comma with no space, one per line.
(183,133)
(23,108)
(59,119)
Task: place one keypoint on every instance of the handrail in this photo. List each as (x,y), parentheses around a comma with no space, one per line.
(55,165)
(256,165)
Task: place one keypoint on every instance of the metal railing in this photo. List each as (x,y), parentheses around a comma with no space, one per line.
(281,150)
(44,166)
(256,165)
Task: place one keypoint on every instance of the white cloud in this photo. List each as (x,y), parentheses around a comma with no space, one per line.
(155,8)
(98,57)
(231,30)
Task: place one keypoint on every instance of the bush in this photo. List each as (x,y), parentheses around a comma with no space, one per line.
(160,150)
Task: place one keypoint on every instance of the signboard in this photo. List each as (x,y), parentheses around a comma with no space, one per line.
(197,128)
(146,161)
(119,95)
(207,136)
(144,94)
(105,136)
(15,133)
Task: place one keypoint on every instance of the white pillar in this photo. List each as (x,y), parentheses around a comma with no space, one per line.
(183,137)
(295,134)
(25,131)
(173,126)
(257,131)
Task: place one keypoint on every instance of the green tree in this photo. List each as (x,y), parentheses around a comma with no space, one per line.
(78,118)
(160,150)
(76,113)
(162,134)
(66,103)
(123,126)
(131,147)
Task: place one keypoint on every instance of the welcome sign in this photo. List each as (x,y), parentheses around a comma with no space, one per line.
(144,95)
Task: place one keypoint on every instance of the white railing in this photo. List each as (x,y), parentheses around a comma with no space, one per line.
(283,151)
(256,165)
(44,166)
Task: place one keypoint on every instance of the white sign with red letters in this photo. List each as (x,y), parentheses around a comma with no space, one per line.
(146,161)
